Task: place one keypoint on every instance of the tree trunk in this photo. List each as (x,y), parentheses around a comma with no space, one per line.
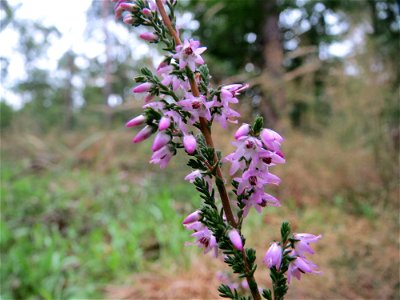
(274,101)
(69,101)
(107,89)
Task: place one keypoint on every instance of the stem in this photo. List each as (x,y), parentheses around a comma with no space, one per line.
(250,279)
(167,22)
(205,129)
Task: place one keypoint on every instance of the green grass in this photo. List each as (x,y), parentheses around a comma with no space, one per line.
(65,234)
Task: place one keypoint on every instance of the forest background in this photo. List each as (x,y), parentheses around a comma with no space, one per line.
(83,214)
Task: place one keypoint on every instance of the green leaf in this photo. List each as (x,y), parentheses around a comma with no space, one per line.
(257,125)
(285,231)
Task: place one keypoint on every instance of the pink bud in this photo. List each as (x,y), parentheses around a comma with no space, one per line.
(148,36)
(236,240)
(139,120)
(164,123)
(142,88)
(160,141)
(148,98)
(193,217)
(127,17)
(242,131)
(143,134)
(129,6)
(146,12)
(190,144)
(271,139)
(273,257)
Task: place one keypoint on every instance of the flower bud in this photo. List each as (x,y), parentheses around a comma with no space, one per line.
(273,257)
(160,141)
(193,217)
(148,36)
(190,144)
(143,134)
(146,12)
(142,88)
(139,120)
(271,139)
(128,19)
(236,239)
(164,123)
(148,98)
(129,6)
(242,131)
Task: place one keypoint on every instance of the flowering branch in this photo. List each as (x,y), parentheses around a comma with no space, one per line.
(180,107)
(204,126)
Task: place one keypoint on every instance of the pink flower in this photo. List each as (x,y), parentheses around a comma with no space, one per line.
(302,244)
(143,88)
(148,36)
(190,144)
(193,217)
(139,120)
(188,53)
(160,141)
(205,239)
(128,6)
(197,107)
(191,177)
(259,199)
(236,239)
(164,123)
(301,265)
(255,179)
(162,156)
(273,257)
(146,12)
(242,131)
(271,139)
(128,19)
(143,134)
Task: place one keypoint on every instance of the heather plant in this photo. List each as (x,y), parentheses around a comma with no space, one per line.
(180,108)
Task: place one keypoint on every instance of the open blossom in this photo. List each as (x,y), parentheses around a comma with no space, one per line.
(301,266)
(162,156)
(188,54)
(197,107)
(302,246)
(259,199)
(255,179)
(273,257)
(164,70)
(204,237)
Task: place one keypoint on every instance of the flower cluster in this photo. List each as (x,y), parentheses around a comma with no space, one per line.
(171,109)
(256,151)
(179,108)
(295,253)
(204,237)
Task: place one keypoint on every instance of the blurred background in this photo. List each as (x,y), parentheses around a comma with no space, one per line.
(83,214)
